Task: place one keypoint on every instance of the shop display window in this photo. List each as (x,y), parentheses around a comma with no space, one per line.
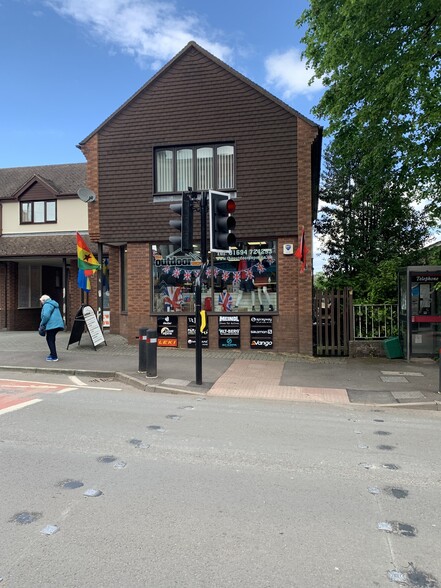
(242,280)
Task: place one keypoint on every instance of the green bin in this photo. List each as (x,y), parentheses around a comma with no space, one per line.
(392,347)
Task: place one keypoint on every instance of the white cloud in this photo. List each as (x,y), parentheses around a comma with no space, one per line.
(149,30)
(289,75)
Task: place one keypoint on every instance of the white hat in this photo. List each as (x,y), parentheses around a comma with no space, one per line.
(45,298)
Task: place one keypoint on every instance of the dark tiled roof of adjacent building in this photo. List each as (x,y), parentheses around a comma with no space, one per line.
(64,178)
(42,245)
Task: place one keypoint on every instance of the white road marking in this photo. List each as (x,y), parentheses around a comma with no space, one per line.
(66,390)
(413,374)
(18,406)
(77,381)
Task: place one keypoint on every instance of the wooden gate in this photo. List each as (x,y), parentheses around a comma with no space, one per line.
(333,323)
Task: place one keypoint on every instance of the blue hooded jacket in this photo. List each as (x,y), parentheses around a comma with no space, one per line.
(51,316)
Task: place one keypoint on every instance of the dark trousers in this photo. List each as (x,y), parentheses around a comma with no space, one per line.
(50,338)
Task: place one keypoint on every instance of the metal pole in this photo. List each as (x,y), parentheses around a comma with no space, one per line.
(203,207)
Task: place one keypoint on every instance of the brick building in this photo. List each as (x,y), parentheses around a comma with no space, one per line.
(200,123)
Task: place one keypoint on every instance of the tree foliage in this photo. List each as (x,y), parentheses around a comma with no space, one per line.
(368,227)
(380,63)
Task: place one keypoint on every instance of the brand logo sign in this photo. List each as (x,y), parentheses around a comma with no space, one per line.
(191,333)
(167,330)
(229,331)
(261,332)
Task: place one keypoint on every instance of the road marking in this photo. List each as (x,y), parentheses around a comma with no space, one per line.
(77,381)
(71,389)
(20,404)
(412,374)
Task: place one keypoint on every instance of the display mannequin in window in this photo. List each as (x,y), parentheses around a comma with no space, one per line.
(261,283)
(246,282)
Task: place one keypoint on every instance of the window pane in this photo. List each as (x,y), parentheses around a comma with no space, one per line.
(26,212)
(225,167)
(245,279)
(164,171)
(39,212)
(50,211)
(204,168)
(184,162)
(174,277)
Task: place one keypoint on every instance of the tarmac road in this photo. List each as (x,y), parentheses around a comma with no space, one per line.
(204,491)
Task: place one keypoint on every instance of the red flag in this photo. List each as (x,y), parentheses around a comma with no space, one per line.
(302,251)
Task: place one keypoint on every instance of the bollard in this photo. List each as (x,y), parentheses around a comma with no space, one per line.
(142,359)
(439,372)
(152,346)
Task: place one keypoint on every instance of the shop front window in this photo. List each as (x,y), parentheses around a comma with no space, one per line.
(242,280)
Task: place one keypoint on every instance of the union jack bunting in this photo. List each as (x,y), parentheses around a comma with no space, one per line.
(208,272)
(249,274)
(260,268)
(176,272)
(225,276)
(187,275)
(236,278)
(166,269)
(216,272)
(226,301)
(173,297)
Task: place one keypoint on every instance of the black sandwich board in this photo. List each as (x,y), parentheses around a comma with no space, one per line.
(86,319)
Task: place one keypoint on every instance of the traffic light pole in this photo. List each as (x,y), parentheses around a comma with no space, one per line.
(203,210)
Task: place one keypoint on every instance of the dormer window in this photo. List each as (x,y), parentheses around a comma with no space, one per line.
(38,212)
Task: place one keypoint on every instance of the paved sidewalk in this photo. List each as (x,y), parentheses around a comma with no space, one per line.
(246,373)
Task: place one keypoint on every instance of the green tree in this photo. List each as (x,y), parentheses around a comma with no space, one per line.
(380,64)
(365,222)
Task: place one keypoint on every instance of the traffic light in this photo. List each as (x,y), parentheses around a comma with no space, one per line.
(184,241)
(221,221)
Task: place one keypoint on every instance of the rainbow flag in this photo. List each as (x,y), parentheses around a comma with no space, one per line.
(86,259)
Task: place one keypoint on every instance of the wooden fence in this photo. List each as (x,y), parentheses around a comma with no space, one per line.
(333,322)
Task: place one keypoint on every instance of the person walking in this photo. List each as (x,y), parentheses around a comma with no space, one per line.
(51,322)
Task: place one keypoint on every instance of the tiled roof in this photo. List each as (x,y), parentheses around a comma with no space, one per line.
(42,246)
(65,178)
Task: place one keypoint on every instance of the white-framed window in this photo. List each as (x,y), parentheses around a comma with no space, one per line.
(38,212)
(202,167)
(29,285)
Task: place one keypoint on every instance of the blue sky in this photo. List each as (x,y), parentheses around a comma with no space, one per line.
(68,64)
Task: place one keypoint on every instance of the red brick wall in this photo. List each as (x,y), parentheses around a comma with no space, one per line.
(305,137)
(138,289)
(3,299)
(114,289)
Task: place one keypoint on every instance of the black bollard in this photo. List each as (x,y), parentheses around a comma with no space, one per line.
(142,360)
(439,372)
(152,347)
